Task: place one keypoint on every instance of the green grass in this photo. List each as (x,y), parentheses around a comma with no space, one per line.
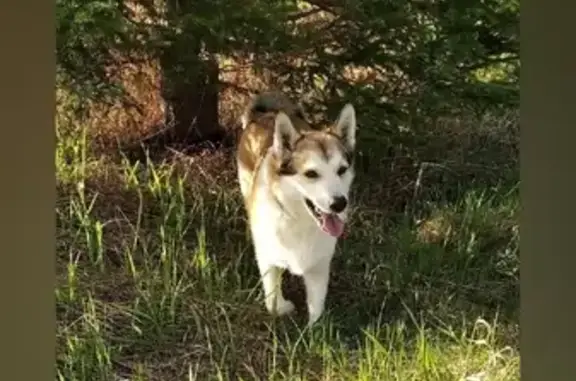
(156,281)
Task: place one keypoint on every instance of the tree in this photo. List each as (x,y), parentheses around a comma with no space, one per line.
(414,58)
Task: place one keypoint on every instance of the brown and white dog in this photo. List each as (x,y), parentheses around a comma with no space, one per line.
(295,180)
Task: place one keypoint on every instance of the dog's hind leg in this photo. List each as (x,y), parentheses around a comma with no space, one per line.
(316,281)
(272,284)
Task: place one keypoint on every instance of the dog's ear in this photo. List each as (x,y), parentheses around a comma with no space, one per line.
(284,135)
(345,126)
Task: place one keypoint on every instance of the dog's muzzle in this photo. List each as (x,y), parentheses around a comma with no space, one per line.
(330,223)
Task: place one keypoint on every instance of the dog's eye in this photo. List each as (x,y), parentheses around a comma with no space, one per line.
(311,174)
(342,170)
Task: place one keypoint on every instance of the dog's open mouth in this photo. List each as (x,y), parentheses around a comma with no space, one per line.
(330,223)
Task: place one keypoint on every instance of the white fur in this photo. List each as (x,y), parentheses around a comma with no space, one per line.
(284,233)
(244,178)
(346,125)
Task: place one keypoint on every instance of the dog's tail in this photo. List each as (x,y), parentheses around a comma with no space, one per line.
(267,102)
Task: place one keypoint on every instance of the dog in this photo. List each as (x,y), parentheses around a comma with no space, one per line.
(295,181)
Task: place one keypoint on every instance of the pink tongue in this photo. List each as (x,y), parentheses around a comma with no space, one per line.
(332,225)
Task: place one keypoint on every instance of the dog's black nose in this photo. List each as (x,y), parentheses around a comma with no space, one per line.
(338,204)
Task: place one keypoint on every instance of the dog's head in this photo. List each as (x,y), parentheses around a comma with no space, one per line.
(316,166)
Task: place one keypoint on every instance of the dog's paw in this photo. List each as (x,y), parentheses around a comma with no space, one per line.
(313,318)
(315,313)
(282,307)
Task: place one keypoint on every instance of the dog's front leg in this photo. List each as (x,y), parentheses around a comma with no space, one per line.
(316,282)
(272,285)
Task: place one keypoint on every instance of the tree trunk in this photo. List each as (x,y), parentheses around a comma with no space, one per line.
(189,86)
(192,101)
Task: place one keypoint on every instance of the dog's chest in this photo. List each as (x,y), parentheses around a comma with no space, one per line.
(293,243)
